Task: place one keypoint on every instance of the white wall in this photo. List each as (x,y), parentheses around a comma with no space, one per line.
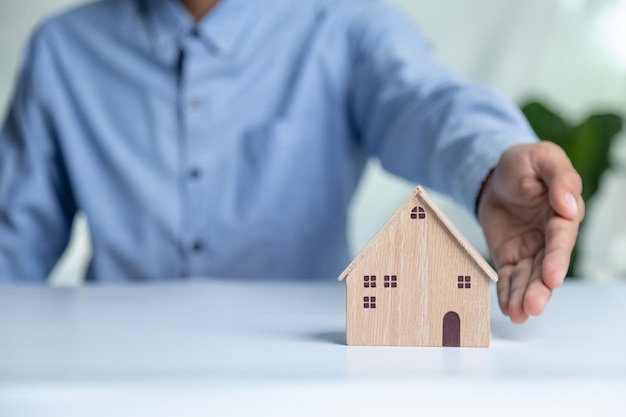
(569,52)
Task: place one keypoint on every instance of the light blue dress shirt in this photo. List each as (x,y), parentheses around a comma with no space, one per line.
(231,147)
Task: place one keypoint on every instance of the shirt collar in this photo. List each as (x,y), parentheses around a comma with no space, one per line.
(169,23)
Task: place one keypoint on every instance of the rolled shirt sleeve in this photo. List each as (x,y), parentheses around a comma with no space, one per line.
(425,123)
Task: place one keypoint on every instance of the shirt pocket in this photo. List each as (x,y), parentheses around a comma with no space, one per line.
(281,165)
(278,152)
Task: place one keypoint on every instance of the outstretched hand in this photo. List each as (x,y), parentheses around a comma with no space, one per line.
(530,209)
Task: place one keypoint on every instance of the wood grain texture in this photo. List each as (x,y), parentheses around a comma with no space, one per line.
(428,256)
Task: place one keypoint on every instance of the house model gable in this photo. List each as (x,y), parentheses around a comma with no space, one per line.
(418,282)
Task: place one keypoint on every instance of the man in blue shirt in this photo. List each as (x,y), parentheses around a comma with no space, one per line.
(226,139)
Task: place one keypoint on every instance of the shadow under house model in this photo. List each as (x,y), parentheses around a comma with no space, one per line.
(418,282)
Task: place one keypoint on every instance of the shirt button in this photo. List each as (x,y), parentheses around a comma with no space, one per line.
(195,173)
(194,101)
(197,246)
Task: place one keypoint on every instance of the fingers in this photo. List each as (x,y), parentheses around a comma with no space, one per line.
(560,240)
(564,190)
(536,298)
(512,289)
(504,288)
(564,183)
(521,291)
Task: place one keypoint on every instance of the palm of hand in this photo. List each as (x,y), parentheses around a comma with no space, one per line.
(530,220)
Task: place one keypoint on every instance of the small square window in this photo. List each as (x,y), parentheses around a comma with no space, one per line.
(366,305)
(373,305)
(366,278)
(464,281)
(394,277)
(366,299)
(373,299)
(386,285)
(373,277)
(394,284)
(373,285)
(386,277)
(366,284)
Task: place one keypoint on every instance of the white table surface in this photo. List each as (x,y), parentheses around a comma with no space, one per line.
(221,348)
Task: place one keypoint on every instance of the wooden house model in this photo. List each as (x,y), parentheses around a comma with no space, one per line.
(418,283)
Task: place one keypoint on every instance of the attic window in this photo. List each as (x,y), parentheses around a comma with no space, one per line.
(369,302)
(418,213)
(464,281)
(391,281)
(369,281)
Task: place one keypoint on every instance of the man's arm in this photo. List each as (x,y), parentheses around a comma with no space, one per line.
(432,127)
(425,123)
(36,204)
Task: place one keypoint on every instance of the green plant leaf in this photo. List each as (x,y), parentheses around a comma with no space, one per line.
(546,123)
(591,143)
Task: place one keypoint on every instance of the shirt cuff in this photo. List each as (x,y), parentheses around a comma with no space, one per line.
(483,158)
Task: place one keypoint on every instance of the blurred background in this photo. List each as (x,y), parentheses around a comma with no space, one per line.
(563,61)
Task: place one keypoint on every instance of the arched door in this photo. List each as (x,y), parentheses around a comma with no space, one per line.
(451,329)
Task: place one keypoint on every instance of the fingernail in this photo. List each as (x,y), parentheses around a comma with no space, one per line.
(572,205)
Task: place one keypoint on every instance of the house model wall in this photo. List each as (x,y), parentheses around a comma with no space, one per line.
(418,283)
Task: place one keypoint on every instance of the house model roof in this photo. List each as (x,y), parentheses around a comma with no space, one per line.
(420,197)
